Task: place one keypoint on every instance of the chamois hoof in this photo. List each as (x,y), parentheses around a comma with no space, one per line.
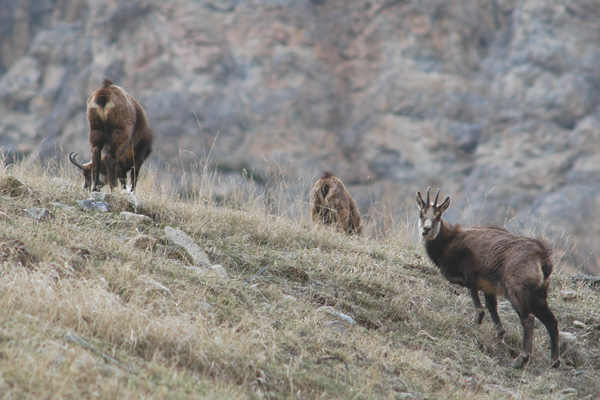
(555,364)
(478,317)
(519,362)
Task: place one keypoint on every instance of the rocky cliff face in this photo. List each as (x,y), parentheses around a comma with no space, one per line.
(496,101)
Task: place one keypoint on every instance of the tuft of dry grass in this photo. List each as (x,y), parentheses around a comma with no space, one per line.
(96,306)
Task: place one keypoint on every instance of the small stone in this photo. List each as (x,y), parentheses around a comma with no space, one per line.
(220,270)
(180,238)
(154,285)
(98,196)
(137,218)
(336,314)
(41,214)
(568,337)
(336,326)
(569,295)
(204,307)
(93,205)
(579,324)
(133,200)
(63,206)
(569,392)
(143,242)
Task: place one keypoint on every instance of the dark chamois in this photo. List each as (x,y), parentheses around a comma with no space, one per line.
(117,121)
(332,204)
(497,262)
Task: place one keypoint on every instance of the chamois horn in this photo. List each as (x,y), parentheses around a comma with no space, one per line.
(72,156)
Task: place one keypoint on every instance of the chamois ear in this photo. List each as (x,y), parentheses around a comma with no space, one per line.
(420,201)
(444,206)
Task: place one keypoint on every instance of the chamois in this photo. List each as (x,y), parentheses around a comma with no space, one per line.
(497,262)
(332,204)
(118,121)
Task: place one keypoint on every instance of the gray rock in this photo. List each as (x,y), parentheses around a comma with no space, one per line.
(41,214)
(137,218)
(220,270)
(152,285)
(591,281)
(332,312)
(63,206)
(93,205)
(569,295)
(179,238)
(143,242)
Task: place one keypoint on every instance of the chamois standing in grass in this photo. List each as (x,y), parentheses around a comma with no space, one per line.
(117,121)
(497,262)
(332,204)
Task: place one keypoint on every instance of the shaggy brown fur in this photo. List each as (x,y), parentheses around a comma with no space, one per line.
(497,262)
(332,204)
(119,122)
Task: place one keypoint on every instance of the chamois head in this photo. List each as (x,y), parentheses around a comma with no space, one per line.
(430,215)
(87,171)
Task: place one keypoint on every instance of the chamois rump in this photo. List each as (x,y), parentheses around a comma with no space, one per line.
(332,204)
(497,262)
(118,122)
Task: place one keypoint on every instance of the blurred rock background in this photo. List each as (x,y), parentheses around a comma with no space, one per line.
(494,101)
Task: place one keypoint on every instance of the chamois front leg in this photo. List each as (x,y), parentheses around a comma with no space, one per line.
(479,312)
(95,168)
(111,171)
(491,303)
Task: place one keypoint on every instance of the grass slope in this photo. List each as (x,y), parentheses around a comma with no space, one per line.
(96,306)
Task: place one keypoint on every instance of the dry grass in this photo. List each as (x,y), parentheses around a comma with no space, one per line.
(82,314)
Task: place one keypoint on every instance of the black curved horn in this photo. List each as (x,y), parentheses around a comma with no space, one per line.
(72,156)
(428,196)
(436,198)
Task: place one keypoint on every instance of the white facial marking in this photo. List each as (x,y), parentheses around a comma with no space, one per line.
(428,226)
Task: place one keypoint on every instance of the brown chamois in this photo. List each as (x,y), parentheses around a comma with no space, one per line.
(117,121)
(497,262)
(332,204)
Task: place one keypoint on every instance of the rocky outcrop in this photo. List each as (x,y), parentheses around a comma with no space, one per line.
(496,101)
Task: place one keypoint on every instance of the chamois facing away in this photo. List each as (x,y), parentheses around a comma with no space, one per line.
(332,204)
(497,262)
(117,121)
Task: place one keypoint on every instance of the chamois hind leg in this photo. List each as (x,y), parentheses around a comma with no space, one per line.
(521,305)
(539,307)
(343,216)
(491,303)
(479,312)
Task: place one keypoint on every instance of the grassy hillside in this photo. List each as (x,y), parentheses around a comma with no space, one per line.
(95,305)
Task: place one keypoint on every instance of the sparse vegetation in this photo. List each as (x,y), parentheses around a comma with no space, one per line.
(96,306)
